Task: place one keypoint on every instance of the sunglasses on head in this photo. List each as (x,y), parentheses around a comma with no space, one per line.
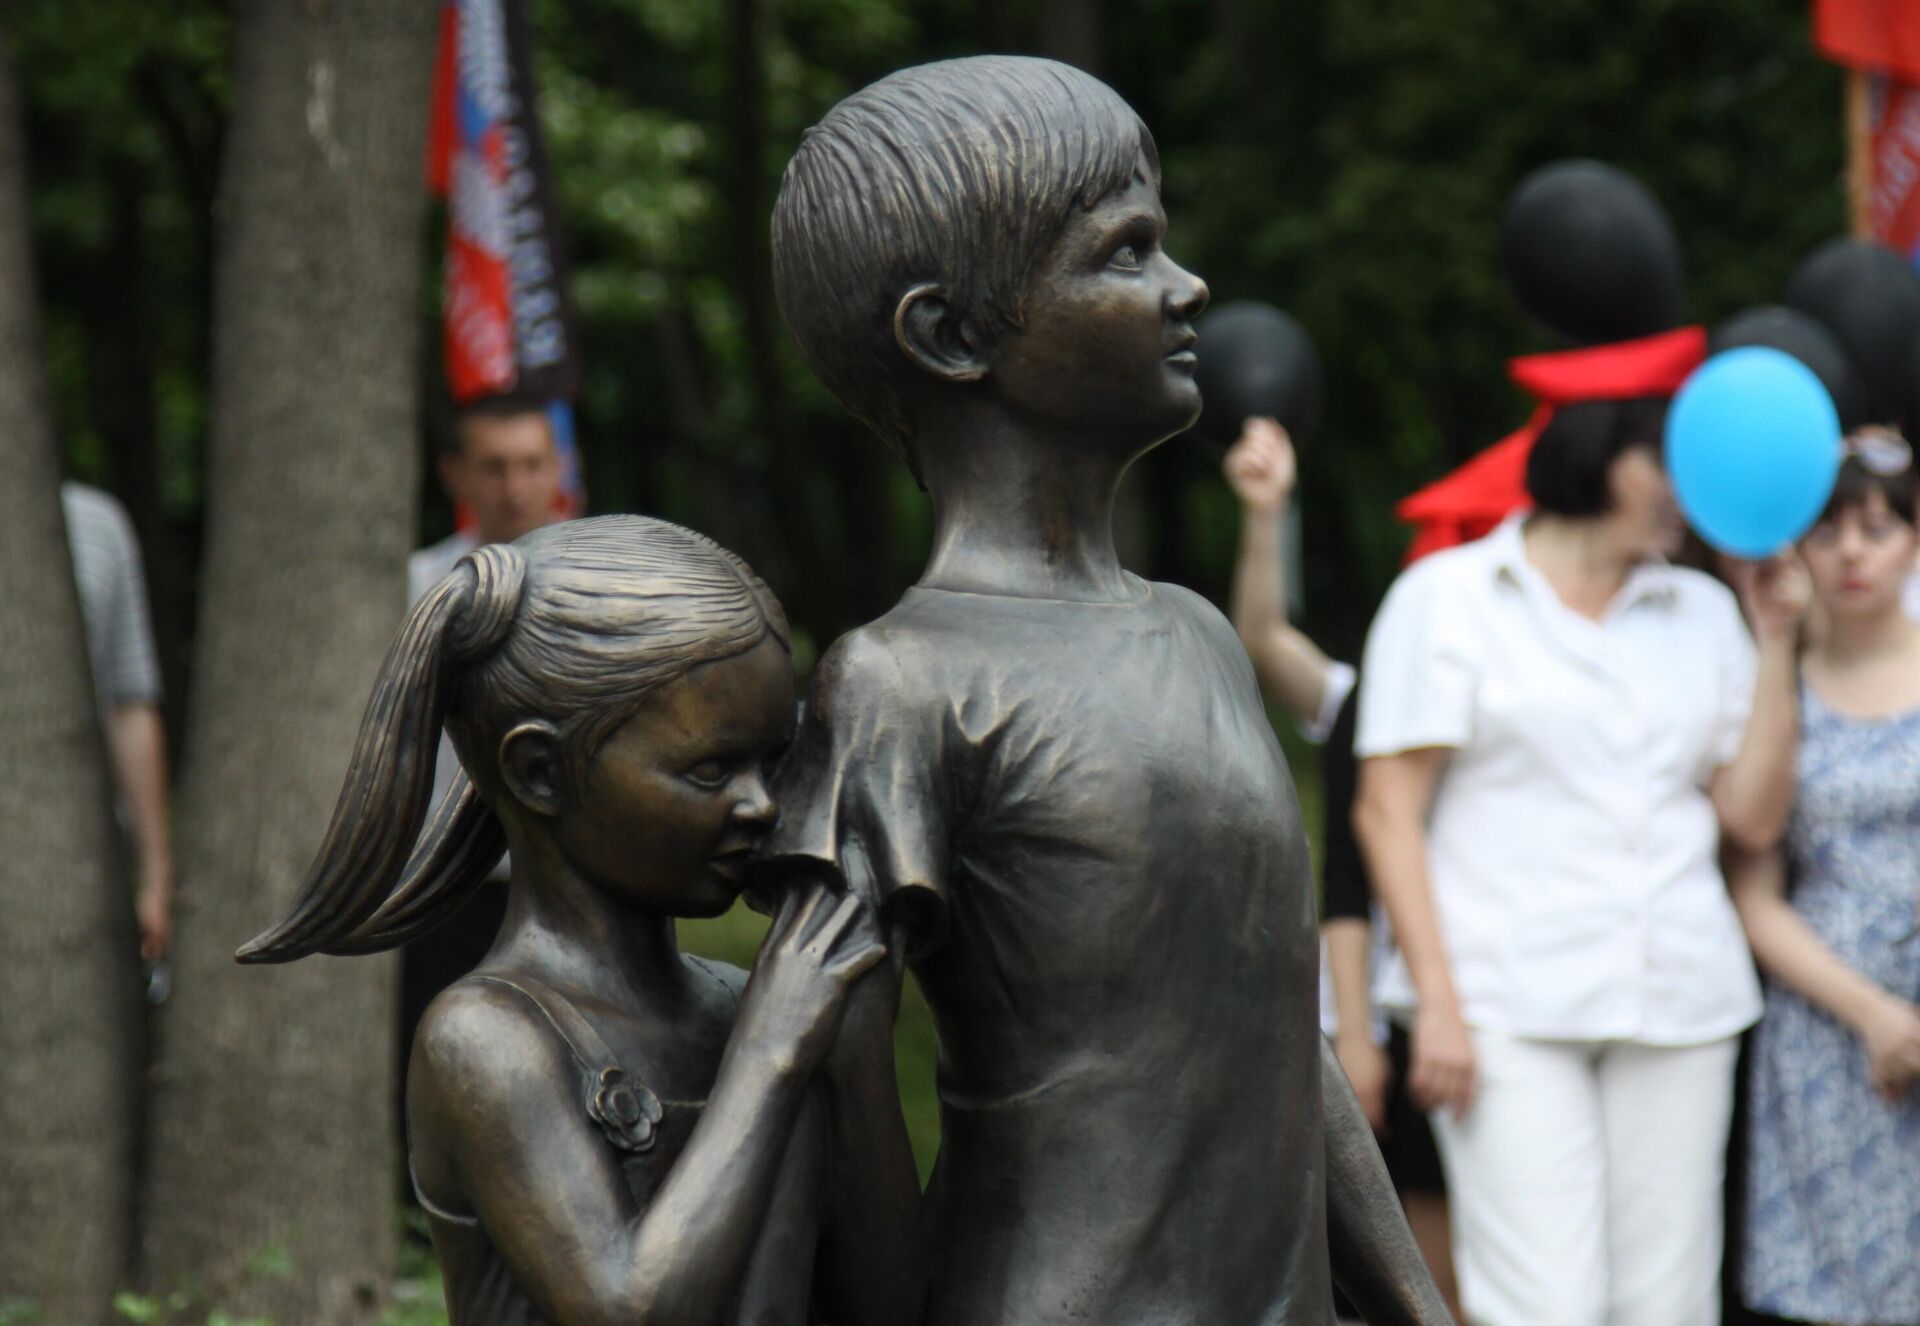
(1880,450)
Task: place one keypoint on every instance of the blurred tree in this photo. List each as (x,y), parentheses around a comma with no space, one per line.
(272,1114)
(67,996)
(126,104)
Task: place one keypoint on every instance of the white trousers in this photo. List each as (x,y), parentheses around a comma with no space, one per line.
(1585,1182)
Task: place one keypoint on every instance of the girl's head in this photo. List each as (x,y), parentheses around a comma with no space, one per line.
(1863,548)
(1600,460)
(614,688)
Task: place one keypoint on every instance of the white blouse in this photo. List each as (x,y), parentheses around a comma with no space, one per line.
(1573,846)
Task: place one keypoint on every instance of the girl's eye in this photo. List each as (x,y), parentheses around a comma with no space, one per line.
(1127,255)
(709,774)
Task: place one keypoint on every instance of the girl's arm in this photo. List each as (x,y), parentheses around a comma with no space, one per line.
(1291,669)
(1789,950)
(1389,818)
(873,1253)
(496,1116)
(1348,939)
(1754,794)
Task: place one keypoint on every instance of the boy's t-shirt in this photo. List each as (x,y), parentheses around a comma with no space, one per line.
(1080,812)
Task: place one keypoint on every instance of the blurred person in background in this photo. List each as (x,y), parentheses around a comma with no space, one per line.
(112,584)
(1318,693)
(1832,1228)
(503,475)
(1556,727)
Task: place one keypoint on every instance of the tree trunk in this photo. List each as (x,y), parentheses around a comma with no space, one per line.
(67,968)
(271,1180)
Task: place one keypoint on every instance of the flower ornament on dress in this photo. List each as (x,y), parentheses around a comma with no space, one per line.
(627,1112)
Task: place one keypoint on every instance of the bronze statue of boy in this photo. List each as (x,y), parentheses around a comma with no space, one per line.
(1056,779)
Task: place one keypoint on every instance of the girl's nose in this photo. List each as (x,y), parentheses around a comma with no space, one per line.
(755,806)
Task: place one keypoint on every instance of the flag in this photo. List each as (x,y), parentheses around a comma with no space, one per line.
(1879,42)
(508,324)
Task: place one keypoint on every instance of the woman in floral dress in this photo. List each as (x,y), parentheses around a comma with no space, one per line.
(1833,1166)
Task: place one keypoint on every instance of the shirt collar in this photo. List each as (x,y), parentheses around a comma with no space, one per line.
(1650,581)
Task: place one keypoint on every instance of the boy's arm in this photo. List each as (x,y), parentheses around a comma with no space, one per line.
(1375,1259)
(873,1257)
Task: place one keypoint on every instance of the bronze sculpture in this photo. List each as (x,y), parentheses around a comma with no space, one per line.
(1050,781)
(1054,779)
(601,1128)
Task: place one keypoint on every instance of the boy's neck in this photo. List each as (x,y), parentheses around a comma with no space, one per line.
(1020,512)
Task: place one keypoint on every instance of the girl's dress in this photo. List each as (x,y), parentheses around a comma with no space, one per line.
(1833,1206)
(646,1134)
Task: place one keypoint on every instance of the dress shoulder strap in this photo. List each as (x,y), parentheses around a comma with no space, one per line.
(627,1112)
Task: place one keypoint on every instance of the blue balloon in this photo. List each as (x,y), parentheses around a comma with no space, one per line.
(1753,448)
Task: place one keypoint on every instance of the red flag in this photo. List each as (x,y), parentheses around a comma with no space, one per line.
(1880,36)
(509,327)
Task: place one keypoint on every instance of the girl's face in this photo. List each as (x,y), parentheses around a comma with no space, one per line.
(1860,558)
(675,801)
(1644,515)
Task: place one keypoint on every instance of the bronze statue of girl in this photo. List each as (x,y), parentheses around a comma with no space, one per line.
(602,1128)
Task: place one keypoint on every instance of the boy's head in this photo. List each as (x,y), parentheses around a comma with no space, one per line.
(956,176)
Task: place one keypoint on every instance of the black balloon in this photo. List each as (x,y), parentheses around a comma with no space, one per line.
(1589,252)
(1868,296)
(1794,333)
(1256,360)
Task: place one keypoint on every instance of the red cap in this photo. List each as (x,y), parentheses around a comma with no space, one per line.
(1470,502)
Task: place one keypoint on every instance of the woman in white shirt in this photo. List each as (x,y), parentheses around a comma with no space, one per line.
(1555,731)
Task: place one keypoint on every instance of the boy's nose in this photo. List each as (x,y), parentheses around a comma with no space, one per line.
(1189,295)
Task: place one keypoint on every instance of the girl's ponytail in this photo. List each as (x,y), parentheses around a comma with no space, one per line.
(454,860)
(370,841)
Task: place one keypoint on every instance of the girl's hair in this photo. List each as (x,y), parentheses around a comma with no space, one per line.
(1567,470)
(575,624)
(1856,482)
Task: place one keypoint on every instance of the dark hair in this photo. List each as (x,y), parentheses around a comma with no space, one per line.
(1567,468)
(960,173)
(511,405)
(575,624)
(1856,484)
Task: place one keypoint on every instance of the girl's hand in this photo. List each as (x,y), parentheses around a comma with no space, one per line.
(1261,468)
(1891,1033)
(1442,1071)
(1776,594)
(1368,1073)
(819,945)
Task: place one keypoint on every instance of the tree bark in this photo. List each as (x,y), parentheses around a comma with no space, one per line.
(68,993)
(273,1097)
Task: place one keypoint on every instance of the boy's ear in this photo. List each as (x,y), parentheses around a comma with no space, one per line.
(530,767)
(930,331)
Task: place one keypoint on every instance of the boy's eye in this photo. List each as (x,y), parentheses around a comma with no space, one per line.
(709,774)
(1127,255)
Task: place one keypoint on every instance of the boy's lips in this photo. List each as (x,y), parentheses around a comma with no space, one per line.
(1181,355)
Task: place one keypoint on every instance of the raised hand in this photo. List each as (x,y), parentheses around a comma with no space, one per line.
(1260,467)
(1776,594)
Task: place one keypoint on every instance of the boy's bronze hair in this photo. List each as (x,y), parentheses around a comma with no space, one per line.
(959,174)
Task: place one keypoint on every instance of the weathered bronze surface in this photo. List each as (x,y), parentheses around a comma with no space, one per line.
(1055,780)
(603,1129)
